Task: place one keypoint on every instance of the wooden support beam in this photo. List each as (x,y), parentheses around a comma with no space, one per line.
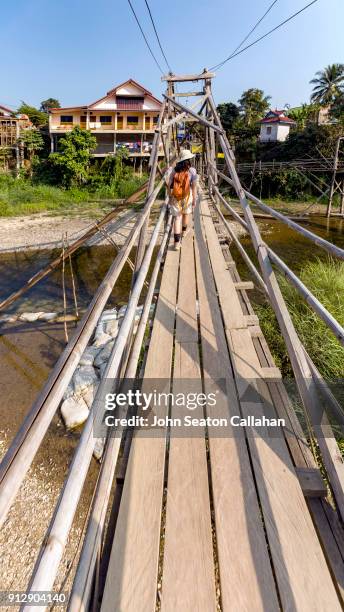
(187,94)
(321,242)
(244,285)
(311,481)
(200,119)
(172,78)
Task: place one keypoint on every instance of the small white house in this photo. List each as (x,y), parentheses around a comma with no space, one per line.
(275,126)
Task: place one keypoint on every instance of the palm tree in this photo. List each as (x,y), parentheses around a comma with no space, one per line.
(328,84)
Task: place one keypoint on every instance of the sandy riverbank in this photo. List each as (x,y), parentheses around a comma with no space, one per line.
(45,231)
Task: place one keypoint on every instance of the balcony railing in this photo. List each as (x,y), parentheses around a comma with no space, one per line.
(98,127)
(104,148)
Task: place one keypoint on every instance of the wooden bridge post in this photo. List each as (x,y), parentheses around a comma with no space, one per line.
(333,187)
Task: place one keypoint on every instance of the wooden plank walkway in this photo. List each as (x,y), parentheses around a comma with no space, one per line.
(219,522)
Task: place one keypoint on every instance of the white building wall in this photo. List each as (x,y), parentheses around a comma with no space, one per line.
(278,133)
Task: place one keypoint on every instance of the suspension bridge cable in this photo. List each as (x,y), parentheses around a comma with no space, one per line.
(250,32)
(157,35)
(264,35)
(145,37)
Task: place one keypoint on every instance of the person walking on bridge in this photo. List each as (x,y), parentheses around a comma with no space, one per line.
(182,188)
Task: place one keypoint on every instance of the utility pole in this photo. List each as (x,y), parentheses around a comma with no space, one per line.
(335,185)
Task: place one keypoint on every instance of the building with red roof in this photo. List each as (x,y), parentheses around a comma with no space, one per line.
(275,126)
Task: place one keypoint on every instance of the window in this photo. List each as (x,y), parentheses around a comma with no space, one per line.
(129,103)
(132,120)
(66,118)
(105,119)
(83,119)
(155,119)
(269,129)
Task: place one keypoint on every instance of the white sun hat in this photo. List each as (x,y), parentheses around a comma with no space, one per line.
(185,154)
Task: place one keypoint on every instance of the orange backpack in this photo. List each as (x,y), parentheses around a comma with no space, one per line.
(181,185)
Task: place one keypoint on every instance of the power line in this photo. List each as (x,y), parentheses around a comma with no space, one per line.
(264,35)
(252,30)
(157,36)
(145,38)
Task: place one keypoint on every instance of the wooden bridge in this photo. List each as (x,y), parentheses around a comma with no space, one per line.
(238,520)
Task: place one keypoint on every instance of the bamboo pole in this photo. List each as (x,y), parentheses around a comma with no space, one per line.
(331,400)
(309,297)
(321,242)
(82,585)
(73,281)
(333,181)
(48,562)
(153,162)
(22,451)
(64,290)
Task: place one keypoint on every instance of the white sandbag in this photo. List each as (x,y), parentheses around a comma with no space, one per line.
(104,355)
(84,377)
(74,411)
(99,448)
(8,318)
(88,356)
(89,395)
(102,339)
(30,317)
(111,327)
(69,391)
(122,311)
(48,316)
(109,315)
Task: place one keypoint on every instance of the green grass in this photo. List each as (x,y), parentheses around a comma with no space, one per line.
(326,281)
(21,197)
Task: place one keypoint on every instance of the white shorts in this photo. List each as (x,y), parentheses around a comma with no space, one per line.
(180,208)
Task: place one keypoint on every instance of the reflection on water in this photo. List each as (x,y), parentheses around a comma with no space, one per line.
(89,265)
(295,249)
(292,247)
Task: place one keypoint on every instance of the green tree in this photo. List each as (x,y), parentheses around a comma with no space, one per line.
(304,114)
(73,160)
(253,105)
(5,156)
(229,114)
(32,141)
(46,105)
(337,110)
(38,118)
(328,84)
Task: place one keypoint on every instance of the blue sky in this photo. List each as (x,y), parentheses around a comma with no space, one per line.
(76,50)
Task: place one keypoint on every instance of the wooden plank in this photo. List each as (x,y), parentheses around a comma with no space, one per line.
(242,550)
(326,521)
(311,482)
(330,544)
(301,571)
(244,285)
(270,372)
(300,567)
(131,583)
(188,576)
(232,310)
